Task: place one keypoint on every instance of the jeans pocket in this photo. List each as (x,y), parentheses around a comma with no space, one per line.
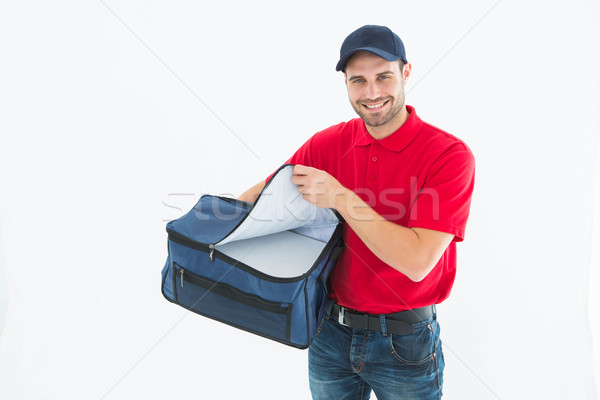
(321,323)
(416,348)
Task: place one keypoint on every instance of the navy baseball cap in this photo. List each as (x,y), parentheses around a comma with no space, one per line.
(379,40)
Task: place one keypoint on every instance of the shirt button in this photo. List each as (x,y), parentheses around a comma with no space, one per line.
(374,158)
(372,177)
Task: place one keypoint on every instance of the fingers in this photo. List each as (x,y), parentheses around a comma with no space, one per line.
(299,180)
(301,169)
(300,175)
(307,178)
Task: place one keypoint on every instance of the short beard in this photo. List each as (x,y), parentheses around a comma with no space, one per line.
(387,118)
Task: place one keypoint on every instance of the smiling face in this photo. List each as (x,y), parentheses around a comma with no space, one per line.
(376,92)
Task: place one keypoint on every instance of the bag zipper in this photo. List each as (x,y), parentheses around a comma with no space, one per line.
(252,204)
(179,238)
(213,253)
(229,291)
(211,247)
(184,240)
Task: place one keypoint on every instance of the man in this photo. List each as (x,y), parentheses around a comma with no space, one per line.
(404,190)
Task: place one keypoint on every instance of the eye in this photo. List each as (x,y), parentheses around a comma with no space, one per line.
(358,81)
(384,77)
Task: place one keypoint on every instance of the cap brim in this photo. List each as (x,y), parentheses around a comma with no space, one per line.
(378,52)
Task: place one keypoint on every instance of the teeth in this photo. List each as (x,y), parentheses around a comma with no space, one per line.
(375,105)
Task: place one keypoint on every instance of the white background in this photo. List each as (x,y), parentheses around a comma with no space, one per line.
(116,116)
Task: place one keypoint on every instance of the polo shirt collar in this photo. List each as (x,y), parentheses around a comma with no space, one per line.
(398,140)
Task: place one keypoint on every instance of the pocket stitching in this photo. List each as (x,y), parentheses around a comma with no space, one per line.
(321,324)
(402,360)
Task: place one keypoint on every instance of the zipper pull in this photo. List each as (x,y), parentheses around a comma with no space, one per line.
(212,251)
(181,272)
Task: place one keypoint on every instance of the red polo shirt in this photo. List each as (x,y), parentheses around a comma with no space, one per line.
(419,176)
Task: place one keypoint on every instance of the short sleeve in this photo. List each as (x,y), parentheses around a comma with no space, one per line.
(443,201)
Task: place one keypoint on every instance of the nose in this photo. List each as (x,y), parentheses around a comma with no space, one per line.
(373,91)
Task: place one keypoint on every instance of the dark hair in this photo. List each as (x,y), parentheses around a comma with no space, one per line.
(401,64)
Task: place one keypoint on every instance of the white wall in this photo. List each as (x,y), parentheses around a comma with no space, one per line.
(594,294)
(112,113)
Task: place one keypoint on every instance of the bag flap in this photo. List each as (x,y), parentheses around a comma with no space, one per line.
(211,219)
(279,208)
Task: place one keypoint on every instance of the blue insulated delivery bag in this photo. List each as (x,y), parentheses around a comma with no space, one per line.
(262,268)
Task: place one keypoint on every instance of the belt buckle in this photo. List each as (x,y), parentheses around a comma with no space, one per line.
(341,316)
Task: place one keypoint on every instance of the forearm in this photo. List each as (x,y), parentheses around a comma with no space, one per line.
(398,246)
(412,251)
(251,194)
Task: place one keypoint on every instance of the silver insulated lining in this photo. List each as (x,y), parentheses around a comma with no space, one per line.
(284,234)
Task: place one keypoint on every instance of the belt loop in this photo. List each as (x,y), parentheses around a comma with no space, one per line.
(383,326)
(329,307)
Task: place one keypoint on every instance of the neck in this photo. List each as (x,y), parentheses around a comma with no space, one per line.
(385,130)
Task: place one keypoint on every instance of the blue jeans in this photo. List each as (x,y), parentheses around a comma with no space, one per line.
(346,363)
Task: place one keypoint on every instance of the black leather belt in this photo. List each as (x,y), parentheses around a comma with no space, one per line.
(397,323)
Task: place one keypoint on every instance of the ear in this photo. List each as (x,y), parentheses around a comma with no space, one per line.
(406,72)
(345,78)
